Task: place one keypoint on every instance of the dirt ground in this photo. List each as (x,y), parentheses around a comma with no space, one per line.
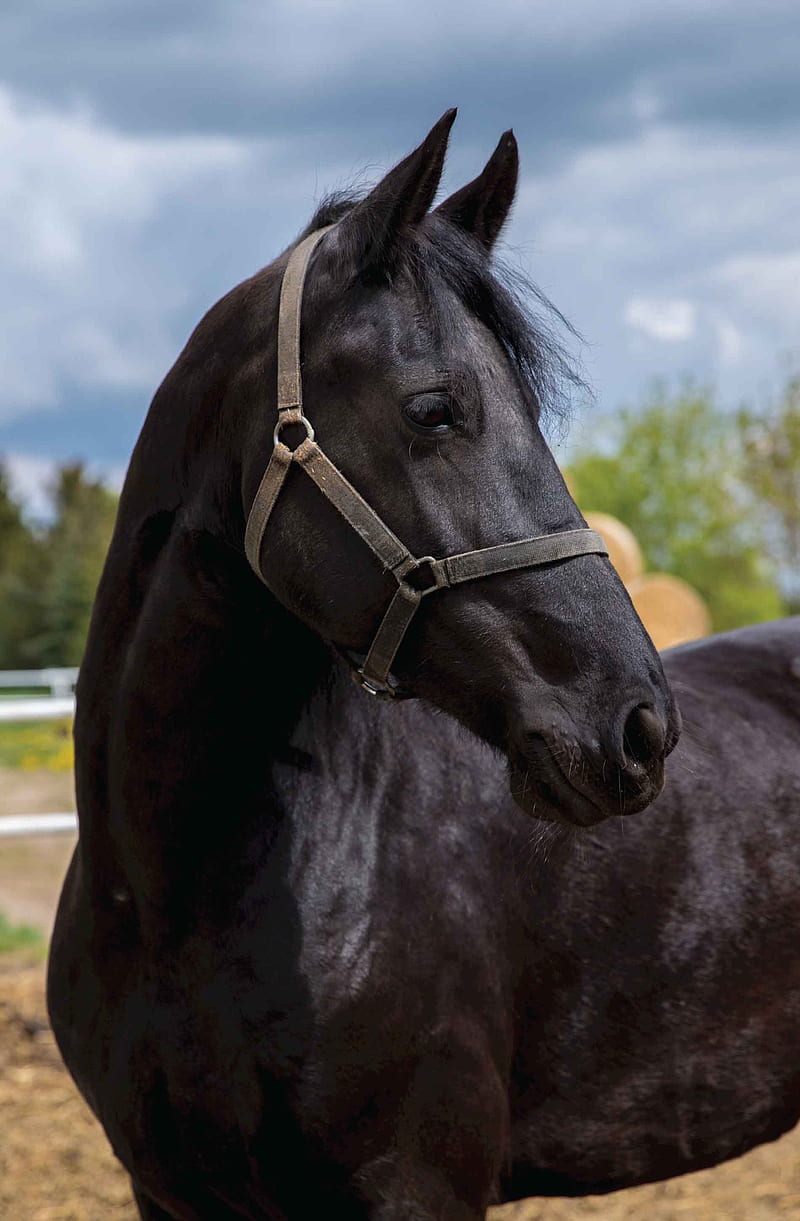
(31,869)
(55,1164)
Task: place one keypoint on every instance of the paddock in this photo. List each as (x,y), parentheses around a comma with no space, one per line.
(55,1163)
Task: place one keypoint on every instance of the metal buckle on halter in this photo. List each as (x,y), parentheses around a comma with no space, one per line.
(413,593)
(382,693)
(389,691)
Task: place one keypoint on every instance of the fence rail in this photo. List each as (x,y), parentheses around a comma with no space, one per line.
(58,680)
(37,824)
(16,708)
(36,708)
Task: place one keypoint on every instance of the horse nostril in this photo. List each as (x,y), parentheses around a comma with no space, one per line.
(644,735)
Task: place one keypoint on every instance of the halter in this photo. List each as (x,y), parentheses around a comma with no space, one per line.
(416,577)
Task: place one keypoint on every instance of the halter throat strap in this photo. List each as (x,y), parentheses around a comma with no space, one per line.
(416,577)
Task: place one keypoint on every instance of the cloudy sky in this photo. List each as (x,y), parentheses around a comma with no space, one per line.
(152,154)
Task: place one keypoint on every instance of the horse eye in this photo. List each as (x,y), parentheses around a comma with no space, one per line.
(429,413)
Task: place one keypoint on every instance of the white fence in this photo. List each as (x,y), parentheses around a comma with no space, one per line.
(37,824)
(15,708)
(58,680)
(25,708)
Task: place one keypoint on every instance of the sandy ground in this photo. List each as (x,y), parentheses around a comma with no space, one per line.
(55,1164)
(31,869)
(35,792)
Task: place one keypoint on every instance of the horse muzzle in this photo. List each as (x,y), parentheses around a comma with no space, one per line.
(560,775)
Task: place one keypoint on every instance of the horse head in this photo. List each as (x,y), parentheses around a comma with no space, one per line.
(426,382)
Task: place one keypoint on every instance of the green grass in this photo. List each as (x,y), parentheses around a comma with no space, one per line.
(37,744)
(7,693)
(18,936)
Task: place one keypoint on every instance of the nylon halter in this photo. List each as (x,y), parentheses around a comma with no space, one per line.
(416,577)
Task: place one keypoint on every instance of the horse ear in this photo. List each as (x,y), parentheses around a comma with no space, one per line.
(481,208)
(372,230)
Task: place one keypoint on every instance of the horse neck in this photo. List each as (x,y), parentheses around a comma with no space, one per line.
(193,682)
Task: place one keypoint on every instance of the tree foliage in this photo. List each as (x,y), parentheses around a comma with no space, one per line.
(49,573)
(74,547)
(673,470)
(712,496)
(17,576)
(770,440)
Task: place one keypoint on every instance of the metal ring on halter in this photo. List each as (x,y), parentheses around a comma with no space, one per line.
(284,421)
(437,575)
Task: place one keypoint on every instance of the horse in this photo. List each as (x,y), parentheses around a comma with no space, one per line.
(313,949)
(662,1002)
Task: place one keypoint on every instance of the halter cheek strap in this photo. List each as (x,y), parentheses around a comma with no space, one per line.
(415,577)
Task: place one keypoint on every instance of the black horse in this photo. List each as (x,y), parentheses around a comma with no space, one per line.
(310,951)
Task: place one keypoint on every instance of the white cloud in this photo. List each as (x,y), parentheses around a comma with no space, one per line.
(732,344)
(77,201)
(665,184)
(32,479)
(646,103)
(769,284)
(111,244)
(686,235)
(300,33)
(669,321)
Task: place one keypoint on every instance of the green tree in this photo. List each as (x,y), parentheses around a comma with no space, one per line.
(671,470)
(771,469)
(20,574)
(74,547)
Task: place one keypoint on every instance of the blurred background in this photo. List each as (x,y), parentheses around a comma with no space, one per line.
(154,154)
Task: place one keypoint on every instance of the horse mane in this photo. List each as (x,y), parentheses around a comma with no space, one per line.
(519,315)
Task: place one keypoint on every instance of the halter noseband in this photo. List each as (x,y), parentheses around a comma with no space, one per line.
(415,577)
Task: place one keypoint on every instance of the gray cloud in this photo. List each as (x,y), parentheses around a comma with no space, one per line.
(381,73)
(154,154)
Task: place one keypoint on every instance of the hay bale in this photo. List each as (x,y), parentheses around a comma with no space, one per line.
(623,550)
(669,608)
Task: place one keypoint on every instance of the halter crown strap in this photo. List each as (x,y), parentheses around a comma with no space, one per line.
(290,380)
(290,395)
(416,577)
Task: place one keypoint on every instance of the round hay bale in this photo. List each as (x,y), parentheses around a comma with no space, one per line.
(670,609)
(623,550)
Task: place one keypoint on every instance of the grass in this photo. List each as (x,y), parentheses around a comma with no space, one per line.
(31,746)
(37,745)
(18,936)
